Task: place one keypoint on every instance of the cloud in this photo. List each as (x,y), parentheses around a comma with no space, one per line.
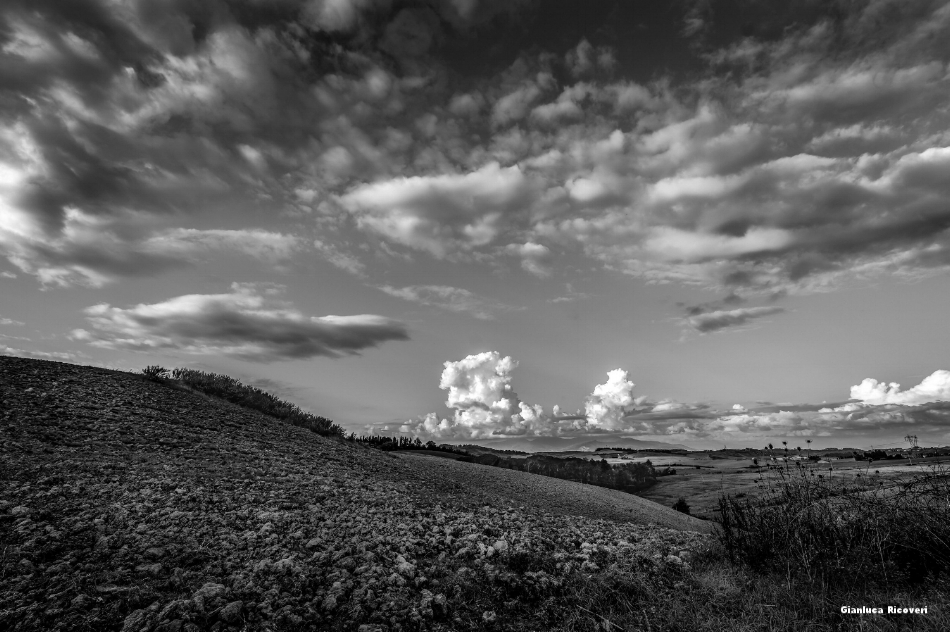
(442,215)
(585,59)
(249,323)
(340,259)
(535,258)
(10,321)
(935,387)
(607,404)
(723,319)
(61,356)
(485,405)
(810,152)
(95,251)
(877,410)
(265,245)
(338,15)
(448,298)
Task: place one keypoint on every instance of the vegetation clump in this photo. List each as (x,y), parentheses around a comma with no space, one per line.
(232,390)
(824,531)
(155,373)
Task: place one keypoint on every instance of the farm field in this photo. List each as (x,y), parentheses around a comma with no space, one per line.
(702,487)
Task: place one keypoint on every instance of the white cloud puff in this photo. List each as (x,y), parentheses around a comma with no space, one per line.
(607,404)
(479,390)
(934,388)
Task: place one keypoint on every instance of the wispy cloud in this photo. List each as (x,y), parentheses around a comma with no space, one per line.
(449,298)
(61,356)
(719,320)
(340,259)
(269,246)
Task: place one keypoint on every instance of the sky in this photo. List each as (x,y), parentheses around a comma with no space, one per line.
(702,222)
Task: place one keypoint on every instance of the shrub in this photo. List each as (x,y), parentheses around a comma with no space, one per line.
(681,506)
(230,389)
(155,373)
(825,531)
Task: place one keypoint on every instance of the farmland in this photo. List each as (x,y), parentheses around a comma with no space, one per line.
(702,477)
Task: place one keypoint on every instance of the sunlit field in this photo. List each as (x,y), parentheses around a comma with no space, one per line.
(702,477)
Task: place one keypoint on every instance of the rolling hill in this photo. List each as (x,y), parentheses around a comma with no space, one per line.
(131,505)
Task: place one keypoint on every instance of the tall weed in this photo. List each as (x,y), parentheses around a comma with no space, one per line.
(862,530)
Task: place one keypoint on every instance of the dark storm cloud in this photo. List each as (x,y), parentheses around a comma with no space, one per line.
(246,323)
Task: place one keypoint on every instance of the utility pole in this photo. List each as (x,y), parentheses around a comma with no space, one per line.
(912,440)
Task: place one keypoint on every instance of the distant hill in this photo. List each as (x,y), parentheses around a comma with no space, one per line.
(560,444)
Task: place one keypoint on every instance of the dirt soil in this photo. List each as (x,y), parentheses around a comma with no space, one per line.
(137,506)
(498,485)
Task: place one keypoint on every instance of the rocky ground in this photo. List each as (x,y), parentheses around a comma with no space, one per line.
(131,505)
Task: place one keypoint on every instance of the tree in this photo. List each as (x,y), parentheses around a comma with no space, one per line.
(681,506)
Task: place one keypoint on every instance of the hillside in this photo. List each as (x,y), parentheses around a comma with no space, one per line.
(131,505)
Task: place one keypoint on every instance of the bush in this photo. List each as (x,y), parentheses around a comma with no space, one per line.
(155,373)
(681,506)
(823,531)
(229,389)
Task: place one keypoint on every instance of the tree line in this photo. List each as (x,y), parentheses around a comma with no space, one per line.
(390,444)
(626,477)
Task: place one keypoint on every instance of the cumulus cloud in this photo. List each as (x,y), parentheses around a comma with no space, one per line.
(876,410)
(485,405)
(535,258)
(483,401)
(607,404)
(250,323)
(479,389)
(935,387)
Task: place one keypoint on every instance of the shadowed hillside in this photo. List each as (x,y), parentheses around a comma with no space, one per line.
(127,504)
